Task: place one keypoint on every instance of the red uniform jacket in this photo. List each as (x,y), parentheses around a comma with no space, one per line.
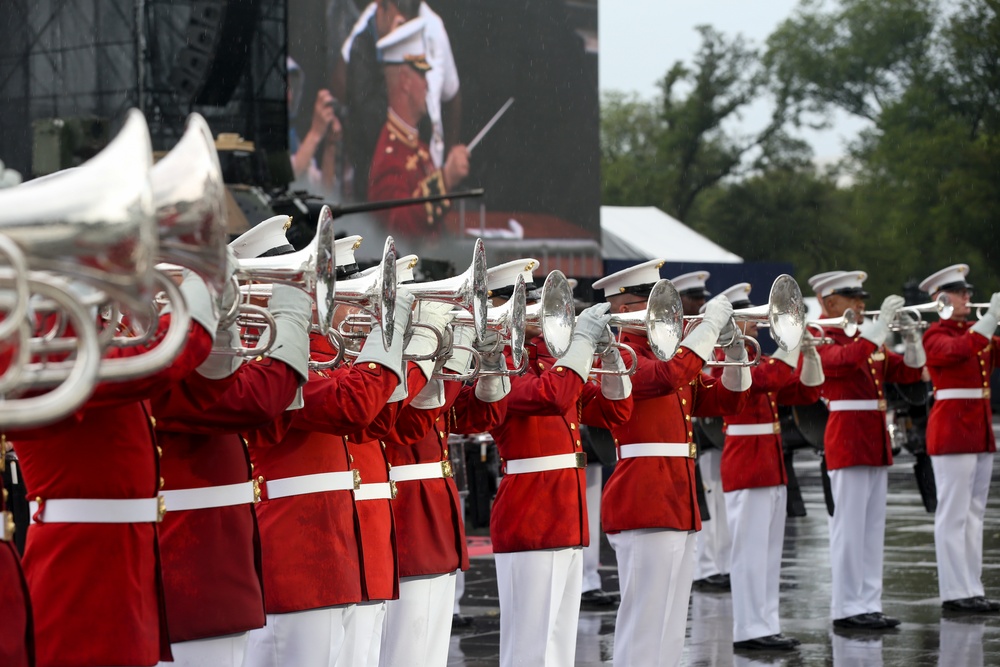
(309,542)
(96,588)
(16,634)
(753,461)
(211,556)
(547,510)
(856,370)
(402,168)
(659,491)
(958,358)
(430,532)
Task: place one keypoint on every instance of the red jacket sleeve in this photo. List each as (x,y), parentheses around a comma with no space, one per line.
(475,416)
(596,410)
(898,372)
(712,399)
(840,360)
(945,350)
(659,378)
(550,393)
(345,402)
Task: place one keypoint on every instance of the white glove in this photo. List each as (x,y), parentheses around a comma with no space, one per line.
(913,351)
(222,362)
(736,378)
(811,374)
(461,358)
(702,340)
(292,311)
(430,397)
(615,387)
(391,359)
(199,302)
(423,342)
(877,331)
(492,388)
(987,324)
(591,327)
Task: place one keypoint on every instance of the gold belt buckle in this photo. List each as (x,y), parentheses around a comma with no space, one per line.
(392,490)
(777,428)
(357,478)
(692,450)
(161,508)
(446,469)
(986,392)
(581,459)
(256,490)
(882,405)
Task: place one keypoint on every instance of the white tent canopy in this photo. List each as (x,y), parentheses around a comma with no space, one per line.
(646,232)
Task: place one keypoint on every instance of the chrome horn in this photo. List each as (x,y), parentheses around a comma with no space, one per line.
(662,320)
(467,291)
(375,292)
(848,322)
(555,313)
(508,321)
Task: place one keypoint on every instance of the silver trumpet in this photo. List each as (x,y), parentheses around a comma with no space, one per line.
(508,321)
(662,320)
(909,318)
(554,313)
(466,291)
(848,322)
(374,293)
(312,269)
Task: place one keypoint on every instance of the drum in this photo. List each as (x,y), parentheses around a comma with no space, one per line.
(810,423)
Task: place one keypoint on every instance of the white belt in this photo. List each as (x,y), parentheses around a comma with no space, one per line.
(93,510)
(545,463)
(685,450)
(6,526)
(771,428)
(376,491)
(317,483)
(872,404)
(209,496)
(414,471)
(946,394)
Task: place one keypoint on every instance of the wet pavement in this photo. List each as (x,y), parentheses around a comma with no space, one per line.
(927,637)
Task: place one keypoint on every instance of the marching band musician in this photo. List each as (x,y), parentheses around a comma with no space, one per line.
(538,524)
(430,531)
(91,558)
(754,480)
(713,542)
(961,356)
(209,544)
(857,447)
(402,165)
(650,509)
(312,560)
(16,632)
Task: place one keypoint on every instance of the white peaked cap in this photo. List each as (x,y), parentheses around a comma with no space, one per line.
(841,282)
(692,281)
(265,237)
(504,275)
(405,46)
(404,269)
(642,275)
(738,293)
(343,250)
(820,277)
(952,277)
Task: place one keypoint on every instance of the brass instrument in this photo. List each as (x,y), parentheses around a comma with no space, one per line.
(508,321)
(555,313)
(466,291)
(909,318)
(848,322)
(662,320)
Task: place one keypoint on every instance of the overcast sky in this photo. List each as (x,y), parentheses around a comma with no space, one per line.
(641,39)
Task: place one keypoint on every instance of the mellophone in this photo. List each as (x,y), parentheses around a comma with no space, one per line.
(85,266)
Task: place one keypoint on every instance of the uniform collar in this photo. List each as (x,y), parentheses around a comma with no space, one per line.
(403,130)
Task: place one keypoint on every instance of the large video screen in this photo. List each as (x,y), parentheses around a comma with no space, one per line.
(360,132)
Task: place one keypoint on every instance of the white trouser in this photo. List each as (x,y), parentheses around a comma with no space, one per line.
(961,643)
(309,638)
(757,522)
(592,553)
(539,606)
(418,624)
(363,625)
(858,651)
(227,651)
(963,483)
(713,542)
(857,539)
(654,573)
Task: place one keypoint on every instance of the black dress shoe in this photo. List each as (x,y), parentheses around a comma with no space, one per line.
(461,621)
(714,582)
(597,598)
(862,622)
(991,605)
(887,621)
(770,643)
(975,605)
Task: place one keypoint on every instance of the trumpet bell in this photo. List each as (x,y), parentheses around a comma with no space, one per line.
(94,222)
(507,320)
(376,292)
(787,312)
(189,198)
(554,313)
(664,320)
(467,291)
